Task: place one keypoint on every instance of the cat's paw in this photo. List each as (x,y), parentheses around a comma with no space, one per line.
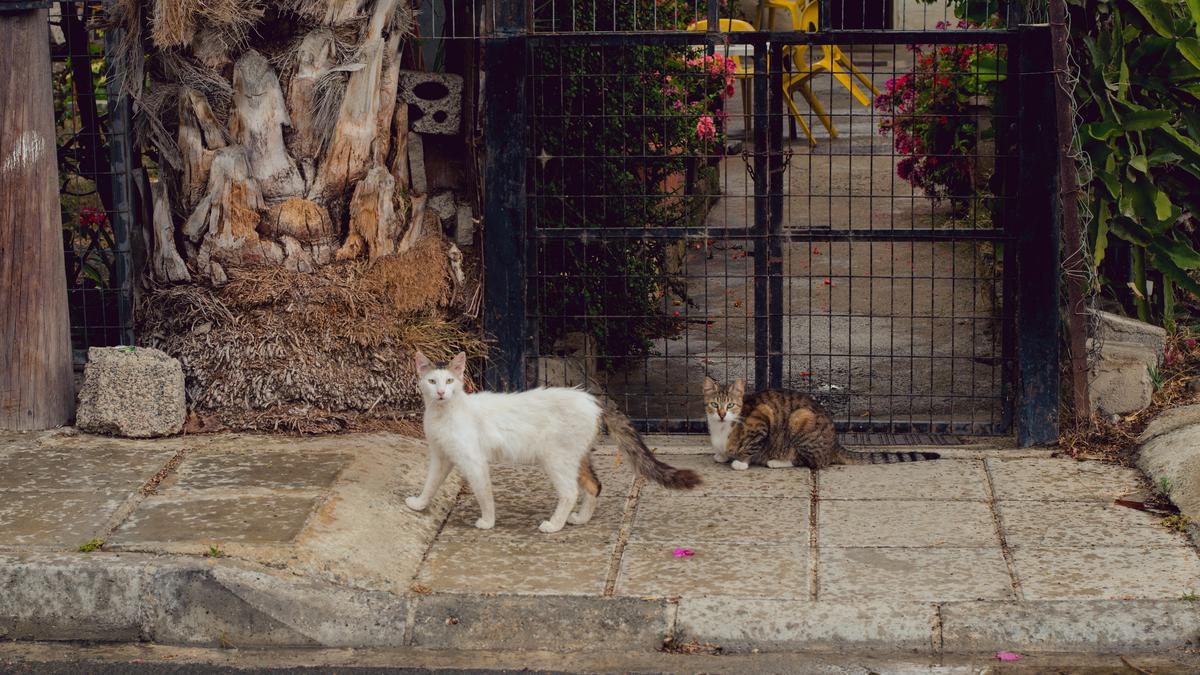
(739,465)
(415,504)
(720,458)
(577,519)
(548,527)
(485,524)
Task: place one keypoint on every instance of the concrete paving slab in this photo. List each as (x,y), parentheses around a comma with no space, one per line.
(570,623)
(740,623)
(1130,573)
(1103,626)
(84,465)
(667,518)
(515,566)
(906,524)
(924,574)
(518,517)
(1083,524)
(56,519)
(770,571)
(942,479)
(1062,480)
(252,468)
(263,519)
(722,481)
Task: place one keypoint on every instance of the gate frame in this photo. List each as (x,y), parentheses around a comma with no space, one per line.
(1031,224)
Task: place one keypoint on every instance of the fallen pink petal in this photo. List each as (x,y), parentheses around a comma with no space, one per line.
(684,553)
(1008,656)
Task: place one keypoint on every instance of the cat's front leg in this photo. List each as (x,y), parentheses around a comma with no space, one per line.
(439,468)
(480,480)
(743,441)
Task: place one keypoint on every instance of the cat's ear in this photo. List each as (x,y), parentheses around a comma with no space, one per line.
(738,388)
(458,364)
(710,386)
(423,364)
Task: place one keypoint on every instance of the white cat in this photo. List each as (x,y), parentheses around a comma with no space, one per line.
(554,428)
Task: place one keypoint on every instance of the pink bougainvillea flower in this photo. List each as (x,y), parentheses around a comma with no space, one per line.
(684,553)
(1008,656)
(705,129)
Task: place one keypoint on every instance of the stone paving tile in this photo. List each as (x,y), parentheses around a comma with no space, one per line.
(941,479)
(270,469)
(241,519)
(722,481)
(1083,524)
(93,467)
(518,516)
(60,519)
(1107,573)
(668,518)
(515,566)
(905,523)
(930,574)
(747,570)
(1061,480)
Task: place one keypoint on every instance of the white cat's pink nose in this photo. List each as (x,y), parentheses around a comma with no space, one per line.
(441,393)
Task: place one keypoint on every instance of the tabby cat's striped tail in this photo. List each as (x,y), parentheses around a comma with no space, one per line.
(856,457)
(634,449)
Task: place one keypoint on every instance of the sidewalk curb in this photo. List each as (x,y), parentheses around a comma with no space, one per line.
(197,602)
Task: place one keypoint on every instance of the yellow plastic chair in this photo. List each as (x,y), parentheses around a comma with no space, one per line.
(806,17)
(745,67)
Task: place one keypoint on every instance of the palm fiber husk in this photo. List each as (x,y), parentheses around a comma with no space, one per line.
(281,350)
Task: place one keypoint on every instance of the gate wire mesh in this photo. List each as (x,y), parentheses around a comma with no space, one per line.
(95,191)
(682,223)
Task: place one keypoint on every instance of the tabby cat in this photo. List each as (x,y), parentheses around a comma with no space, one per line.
(780,428)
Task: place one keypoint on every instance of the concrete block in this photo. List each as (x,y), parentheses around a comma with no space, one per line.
(740,623)
(538,623)
(906,523)
(1123,352)
(1170,455)
(572,365)
(133,392)
(434,101)
(1069,626)
(545,565)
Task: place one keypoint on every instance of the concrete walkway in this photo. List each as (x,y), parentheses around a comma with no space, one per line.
(250,540)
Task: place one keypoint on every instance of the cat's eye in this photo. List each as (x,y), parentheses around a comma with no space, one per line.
(714,405)
(449,380)
(729,406)
(432,381)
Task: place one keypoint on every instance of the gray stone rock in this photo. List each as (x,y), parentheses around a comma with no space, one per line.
(131,391)
(1170,455)
(1123,352)
(434,101)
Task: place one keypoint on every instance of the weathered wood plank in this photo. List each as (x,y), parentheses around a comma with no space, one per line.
(36,381)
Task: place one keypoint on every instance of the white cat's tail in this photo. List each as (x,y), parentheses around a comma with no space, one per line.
(634,449)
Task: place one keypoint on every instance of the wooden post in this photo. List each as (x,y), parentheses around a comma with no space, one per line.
(36,381)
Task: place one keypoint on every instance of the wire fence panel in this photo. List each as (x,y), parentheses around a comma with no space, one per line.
(821,210)
(95,175)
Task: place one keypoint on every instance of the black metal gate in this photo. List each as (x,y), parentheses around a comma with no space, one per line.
(872,221)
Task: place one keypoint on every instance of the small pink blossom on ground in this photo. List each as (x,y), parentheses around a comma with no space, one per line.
(1008,656)
(684,553)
